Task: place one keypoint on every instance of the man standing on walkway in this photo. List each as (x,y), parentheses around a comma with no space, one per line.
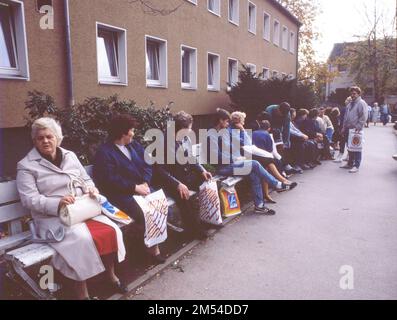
(355,118)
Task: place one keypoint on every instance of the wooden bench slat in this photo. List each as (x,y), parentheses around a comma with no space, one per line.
(31,254)
(12,212)
(8,192)
(13,241)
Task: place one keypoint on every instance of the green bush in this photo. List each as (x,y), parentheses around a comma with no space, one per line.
(85,125)
(252,94)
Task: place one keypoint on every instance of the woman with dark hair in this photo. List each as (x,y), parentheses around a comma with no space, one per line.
(120,171)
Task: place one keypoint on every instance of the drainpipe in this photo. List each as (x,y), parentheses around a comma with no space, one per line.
(297,51)
(70,91)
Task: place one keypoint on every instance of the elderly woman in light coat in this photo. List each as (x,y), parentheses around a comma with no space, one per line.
(42,181)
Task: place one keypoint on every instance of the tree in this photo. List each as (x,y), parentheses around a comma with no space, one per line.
(306,11)
(252,94)
(373,59)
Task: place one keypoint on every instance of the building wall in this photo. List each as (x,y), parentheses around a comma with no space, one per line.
(46,54)
(190,25)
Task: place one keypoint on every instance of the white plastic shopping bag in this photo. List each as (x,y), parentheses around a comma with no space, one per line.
(210,206)
(355,141)
(155,210)
(113,212)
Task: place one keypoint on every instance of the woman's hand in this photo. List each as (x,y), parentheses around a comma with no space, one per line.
(239,126)
(183,191)
(93,192)
(207,175)
(142,189)
(66,200)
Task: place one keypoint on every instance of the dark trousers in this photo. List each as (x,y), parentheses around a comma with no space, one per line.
(189,214)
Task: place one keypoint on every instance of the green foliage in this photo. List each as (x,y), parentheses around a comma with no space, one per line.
(85,125)
(339,96)
(252,94)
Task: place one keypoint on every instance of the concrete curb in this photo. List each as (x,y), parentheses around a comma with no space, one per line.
(141,281)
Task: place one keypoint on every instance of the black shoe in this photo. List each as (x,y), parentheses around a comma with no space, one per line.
(287,187)
(265,211)
(159,259)
(120,287)
(298,169)
(312,165)
(269,200)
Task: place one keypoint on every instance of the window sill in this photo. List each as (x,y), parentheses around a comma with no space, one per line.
(214,13)
(213,89)
(266,39)
(13,77)
(234,23)
(253,32)
(111,83)
(158,86)
(191,88)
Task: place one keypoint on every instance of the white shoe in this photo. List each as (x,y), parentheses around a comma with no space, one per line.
(346,159)
(338,159)
(354,170)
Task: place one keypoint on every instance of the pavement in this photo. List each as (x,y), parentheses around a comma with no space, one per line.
(335,228)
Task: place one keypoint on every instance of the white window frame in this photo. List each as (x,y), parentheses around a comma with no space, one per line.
(252,66)
(292,42)
(276,33)
(122,67)
(253,5)
(233,83)
(265,73)
(20,47)
(193,2)
(163,81)
(192,85)
(217,73)
(236,11)
(284,38)
(267,29)
(217,7)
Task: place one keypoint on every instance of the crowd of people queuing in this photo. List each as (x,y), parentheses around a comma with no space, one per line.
(289,141)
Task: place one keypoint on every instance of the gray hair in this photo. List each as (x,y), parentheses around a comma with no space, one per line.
(48,123)
(238,117)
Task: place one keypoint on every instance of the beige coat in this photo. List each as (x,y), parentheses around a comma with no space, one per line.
(41,185)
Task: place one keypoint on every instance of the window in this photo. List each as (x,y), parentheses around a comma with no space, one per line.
(214,6)
(40,3)
(111,55)
(232,73)
(188,67)
(156,62)
(251,17)
(265,74)
(276,33)
(252,68)
(266,26)
(234,15)
(213,83)
(13,47)
(292,44)
(285,38)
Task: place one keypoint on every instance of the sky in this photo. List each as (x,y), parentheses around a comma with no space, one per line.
(342,20)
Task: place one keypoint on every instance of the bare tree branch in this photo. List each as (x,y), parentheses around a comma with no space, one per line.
(149,8)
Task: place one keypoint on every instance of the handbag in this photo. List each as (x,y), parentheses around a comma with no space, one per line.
(84,207)
(210,207)
(230,202)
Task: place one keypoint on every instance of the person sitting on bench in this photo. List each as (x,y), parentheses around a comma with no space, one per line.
(120,171)
(87,249)
(177,179)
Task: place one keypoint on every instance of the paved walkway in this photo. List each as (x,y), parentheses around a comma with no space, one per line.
(332,219)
